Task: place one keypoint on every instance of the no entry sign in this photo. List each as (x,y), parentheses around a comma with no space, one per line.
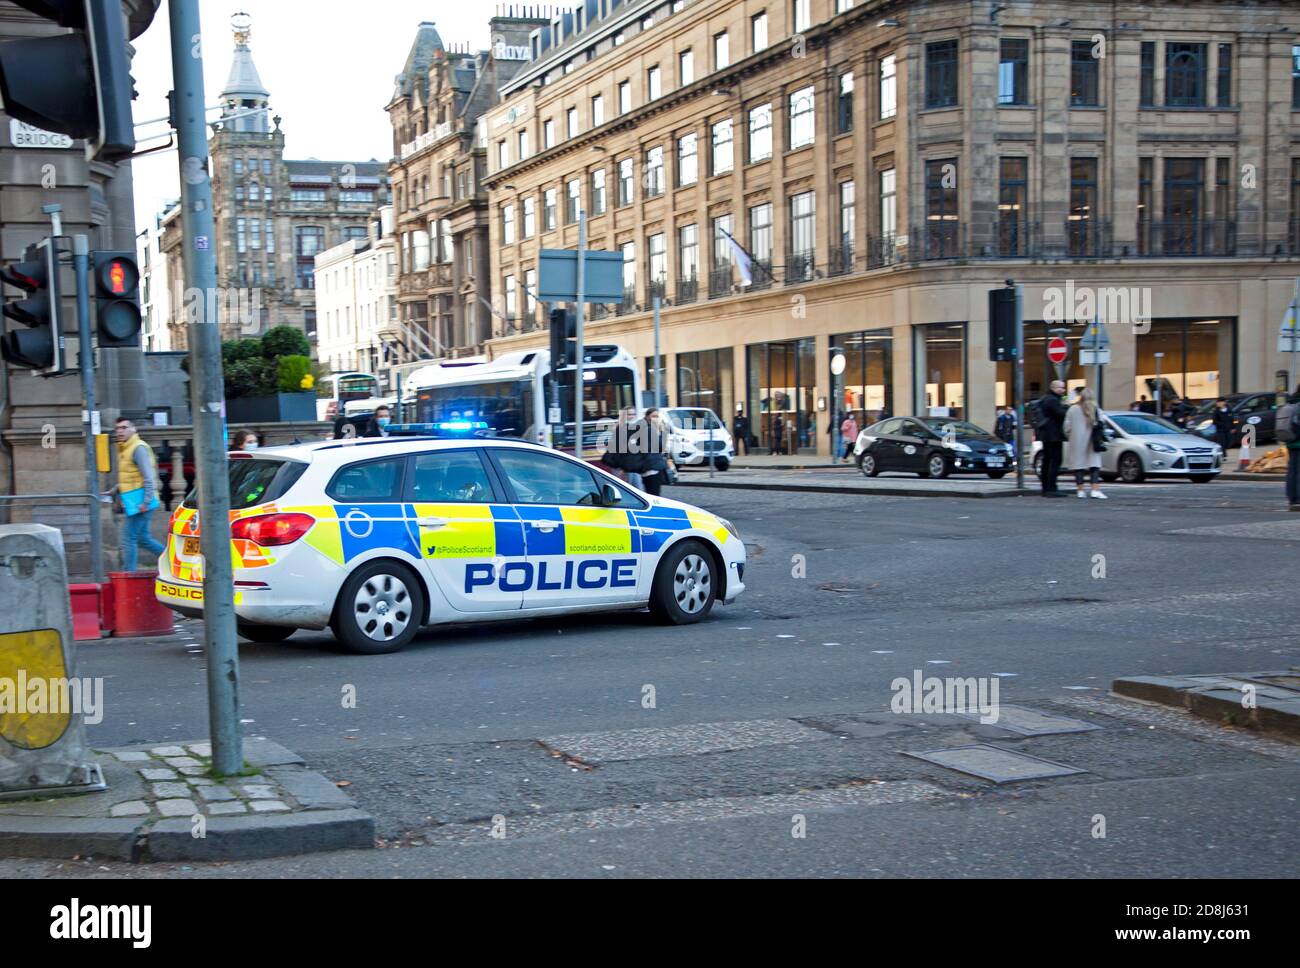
(1058,350)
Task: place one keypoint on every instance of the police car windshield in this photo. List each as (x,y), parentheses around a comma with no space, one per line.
(254,482)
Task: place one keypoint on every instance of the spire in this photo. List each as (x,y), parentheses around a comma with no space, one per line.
(244,93)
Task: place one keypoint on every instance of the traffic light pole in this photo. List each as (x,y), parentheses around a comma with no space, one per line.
(207,391)
(579,384)
(1019,387)
(86,363)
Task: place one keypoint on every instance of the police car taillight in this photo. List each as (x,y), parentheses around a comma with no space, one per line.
(270,530)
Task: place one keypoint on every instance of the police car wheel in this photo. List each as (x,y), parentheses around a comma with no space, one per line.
(264,633)
(685,586)
(379,609)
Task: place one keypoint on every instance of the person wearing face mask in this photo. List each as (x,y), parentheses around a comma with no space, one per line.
(379,425)
(245,441)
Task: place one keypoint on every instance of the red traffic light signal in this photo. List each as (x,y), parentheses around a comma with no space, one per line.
(117,299)
(41,346)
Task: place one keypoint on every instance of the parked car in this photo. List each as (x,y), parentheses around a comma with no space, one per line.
(1142,445)
(931,447)
(1247,409)
(695,433)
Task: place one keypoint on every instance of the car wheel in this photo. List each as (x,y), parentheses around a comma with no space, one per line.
(263,633)
(722,464)
(379,609)
(1202,478)
(1130,469)
(997,475)
(868,464)
(936,466)
(685,586)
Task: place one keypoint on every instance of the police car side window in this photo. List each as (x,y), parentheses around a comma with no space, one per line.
(450,477)
(539,478)
(374,481)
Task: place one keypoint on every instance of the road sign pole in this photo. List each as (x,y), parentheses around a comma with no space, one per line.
(579,385)
(207,391)
(1295,334)
(1018,388)
(659,400)
(86,363)
(1160,409)
(1097,393)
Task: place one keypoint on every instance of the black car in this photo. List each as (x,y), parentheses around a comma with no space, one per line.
(931,447)
(1247,409)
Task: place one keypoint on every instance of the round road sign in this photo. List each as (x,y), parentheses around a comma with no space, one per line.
(1058,350)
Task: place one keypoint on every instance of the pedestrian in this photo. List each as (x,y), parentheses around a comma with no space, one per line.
(1050,431)
(849,435)
(1291,428)
(740,429)
(625,452)
(1084,433)
(379,423)
(137,489)
(778,435)
(246,440)
(1223,422)
(654,444)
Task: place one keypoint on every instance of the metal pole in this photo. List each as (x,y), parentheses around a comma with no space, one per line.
(1295,339)
(659,400)
(86,361)
(554,403)
(1019,386)
(579,387)
(1097,378)
(208,391)
(1160,409)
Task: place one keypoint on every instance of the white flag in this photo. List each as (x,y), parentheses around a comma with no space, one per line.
(743,262)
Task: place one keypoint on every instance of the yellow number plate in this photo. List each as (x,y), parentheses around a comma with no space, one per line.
(191,546)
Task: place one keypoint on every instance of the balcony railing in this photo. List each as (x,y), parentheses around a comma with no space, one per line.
(799,266)
(939,239)
(1187,237)
(761,272)
(843,259)
(656,287)
(628,305)
(1293,237)
(882,250)
(688,290)
(1087,238)
(720,280)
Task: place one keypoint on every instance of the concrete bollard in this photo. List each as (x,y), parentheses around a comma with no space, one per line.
(42,732)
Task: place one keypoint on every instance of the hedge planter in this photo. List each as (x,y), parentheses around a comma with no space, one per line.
(281,408)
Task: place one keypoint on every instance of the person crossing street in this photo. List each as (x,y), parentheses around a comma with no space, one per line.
(137,489)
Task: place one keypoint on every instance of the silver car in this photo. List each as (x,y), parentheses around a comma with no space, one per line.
(1140,445)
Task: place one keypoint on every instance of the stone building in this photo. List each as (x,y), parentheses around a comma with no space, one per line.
(806,178)
(356,299)
(444,288)
(273,215)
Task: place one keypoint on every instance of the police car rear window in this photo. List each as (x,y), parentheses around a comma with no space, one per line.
(254,482)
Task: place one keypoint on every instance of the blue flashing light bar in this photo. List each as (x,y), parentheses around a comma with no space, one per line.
(446,428)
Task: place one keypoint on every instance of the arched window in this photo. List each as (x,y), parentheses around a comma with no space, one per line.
(1185,75)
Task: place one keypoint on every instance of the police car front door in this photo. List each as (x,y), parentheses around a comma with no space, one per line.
(471,542)
(581,553)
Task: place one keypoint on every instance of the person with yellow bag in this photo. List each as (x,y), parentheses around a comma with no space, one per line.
(137,489)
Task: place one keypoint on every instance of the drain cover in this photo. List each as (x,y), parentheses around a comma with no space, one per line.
(993,763)
(1030,722)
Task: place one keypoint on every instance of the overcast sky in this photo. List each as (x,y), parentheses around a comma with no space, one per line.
(329,65)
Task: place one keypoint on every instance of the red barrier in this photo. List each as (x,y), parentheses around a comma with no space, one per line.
(87,613)
(136,612)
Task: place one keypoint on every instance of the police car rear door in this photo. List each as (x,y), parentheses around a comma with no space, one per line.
(471,541)
(580,552)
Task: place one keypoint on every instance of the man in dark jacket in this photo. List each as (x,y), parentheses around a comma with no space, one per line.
(1223,422)
(1051,433)
(740,430)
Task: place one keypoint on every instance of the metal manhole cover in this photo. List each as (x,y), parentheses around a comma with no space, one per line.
(993,763)
(1031,722)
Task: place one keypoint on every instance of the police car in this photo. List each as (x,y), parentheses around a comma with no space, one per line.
(375,538)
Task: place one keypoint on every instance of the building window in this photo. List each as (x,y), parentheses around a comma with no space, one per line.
(760,133)
(720,274)
(308,195)
(311,241)
(629,275)
(842,5)
(652,85)
(688,265)
(658,278)
(239,166)
(1184,187)
(941,209)
(572,200)
(705,379)
(523,145)
(685,68)
(1223,92)
(1147,85)
(844,105)
(654,172)
(503,155)
(888,86)
(624,97)
(1013,187)
(801,259)
(723,157)
(1221,239)
(941,74)
(1013,71)
(801,118)
(598,192)
(867,381)
(1085,76)
(255,234)
(758,32)
(548,133)
(722,51)
(268,194)
(1293,233)
(530,294)
(266,166)
(241,236)
(688,171)
(1081,228)
(363,197)
(512,300)
(571,123)
(625,183)
(1185,75)
(239,193)
(1295,77)
(549,198)
(507,225)
(530,217)
(254,192)
(1145,189)
(270,237)
(598,110)
(842,256)
(800,16)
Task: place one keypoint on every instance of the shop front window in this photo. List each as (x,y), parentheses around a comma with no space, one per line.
(705,379)
(782,396)
(940,361)
(866,387)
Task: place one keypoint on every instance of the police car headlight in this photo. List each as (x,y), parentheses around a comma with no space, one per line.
(731,528)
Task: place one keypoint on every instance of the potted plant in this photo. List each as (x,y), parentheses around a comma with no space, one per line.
(270,380)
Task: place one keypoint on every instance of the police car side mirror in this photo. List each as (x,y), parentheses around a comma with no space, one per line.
(609,496)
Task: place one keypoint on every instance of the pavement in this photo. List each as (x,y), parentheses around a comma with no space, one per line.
(765,742)
(1265,701)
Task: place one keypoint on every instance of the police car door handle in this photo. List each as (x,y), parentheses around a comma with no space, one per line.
(432,523)
(546,527)
(647,532)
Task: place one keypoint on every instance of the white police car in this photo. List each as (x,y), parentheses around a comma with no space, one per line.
(376,538)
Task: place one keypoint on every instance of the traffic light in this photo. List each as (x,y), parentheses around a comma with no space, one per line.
(563,329)
(1002,324)
(40,347)
(77,84)
(117,298)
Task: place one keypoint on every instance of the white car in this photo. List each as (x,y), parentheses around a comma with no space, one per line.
(1140,445)
(695,433)
(375,538)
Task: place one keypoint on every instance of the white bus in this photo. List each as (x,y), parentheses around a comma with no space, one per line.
(338,389)
(512,394)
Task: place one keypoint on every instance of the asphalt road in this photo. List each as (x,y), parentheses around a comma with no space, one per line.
(778,707)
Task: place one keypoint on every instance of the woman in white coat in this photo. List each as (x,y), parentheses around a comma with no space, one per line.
(1080,455)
